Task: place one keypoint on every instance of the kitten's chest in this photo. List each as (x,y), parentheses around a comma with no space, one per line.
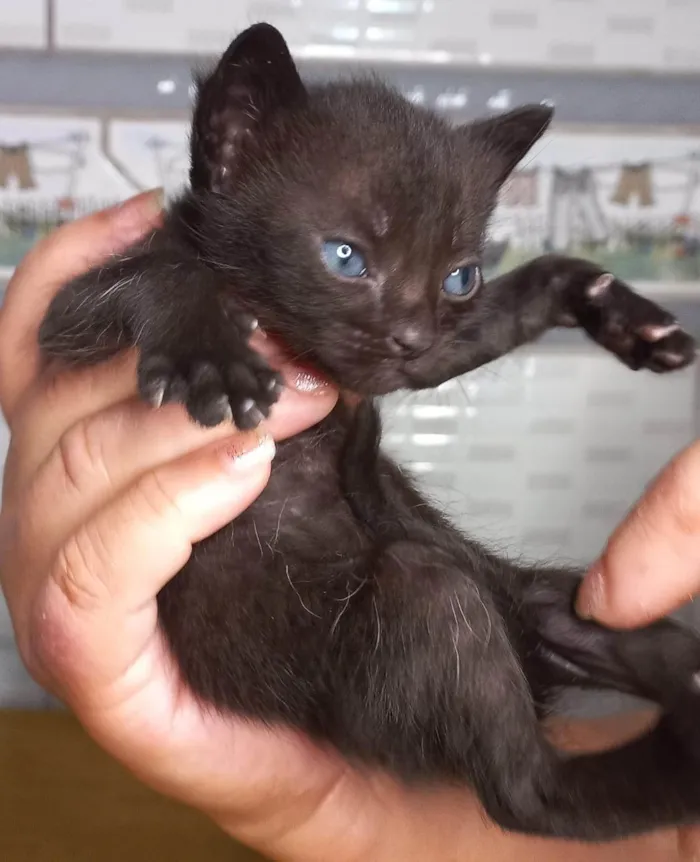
(303,508)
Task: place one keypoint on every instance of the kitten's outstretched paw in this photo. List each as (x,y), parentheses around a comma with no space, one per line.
(637,330)
(236,385)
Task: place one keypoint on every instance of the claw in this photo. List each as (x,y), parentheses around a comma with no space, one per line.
(600,286)
(655,332)
(672,358)
(225,406)
(157,394)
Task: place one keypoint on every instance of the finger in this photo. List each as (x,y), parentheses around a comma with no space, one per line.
(651,565)
(99,457)
(59,398)
(97,611)
(58,401)
(67,252)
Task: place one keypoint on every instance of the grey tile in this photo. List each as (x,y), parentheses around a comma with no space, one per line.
(491,508)
(552,425)
(617,398)
(682,57)
(481,453)
(206,40)
(86,34)
(572,53)
(603,510)
(434,426)
(513,19)
(456,45)
(632,25)
(666,426)
(556,536)
(165,6)
(549,482)
(439,479)
(607,454)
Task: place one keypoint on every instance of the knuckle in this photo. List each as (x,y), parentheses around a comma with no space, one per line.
(80,452)
(78,570)
(152,499)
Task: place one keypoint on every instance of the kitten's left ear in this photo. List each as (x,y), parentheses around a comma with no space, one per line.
(254,79)
(509,136)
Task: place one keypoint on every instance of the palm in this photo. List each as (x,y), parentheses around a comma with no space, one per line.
(285,791)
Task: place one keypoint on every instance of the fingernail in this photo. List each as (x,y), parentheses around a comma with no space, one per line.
(591,594)
(136,216)
(307,382)
(248,450)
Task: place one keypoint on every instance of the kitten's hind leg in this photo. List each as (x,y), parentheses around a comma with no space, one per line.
(652,782)
(445,694)
(659,662)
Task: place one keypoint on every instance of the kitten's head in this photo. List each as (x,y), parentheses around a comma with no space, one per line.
(352,222)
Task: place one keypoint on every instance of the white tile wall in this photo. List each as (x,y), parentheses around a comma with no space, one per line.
(543,452)
(23,25)
(659,34)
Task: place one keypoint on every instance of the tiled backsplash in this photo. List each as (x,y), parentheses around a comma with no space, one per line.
(649,34)
(543,452)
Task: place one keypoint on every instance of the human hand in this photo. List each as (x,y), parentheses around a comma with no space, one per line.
(651,564)
(103,498)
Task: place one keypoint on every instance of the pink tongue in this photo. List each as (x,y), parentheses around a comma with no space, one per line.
(276,352)
(273,348)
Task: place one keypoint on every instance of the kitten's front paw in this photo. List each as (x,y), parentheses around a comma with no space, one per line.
(637,330)
(225,381)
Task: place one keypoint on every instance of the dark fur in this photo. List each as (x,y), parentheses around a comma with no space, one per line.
(341,602)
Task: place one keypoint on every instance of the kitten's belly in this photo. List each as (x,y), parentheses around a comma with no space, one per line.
(258,598)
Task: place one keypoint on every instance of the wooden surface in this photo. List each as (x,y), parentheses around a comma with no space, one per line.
(63,800)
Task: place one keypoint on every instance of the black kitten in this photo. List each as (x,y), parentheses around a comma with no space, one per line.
(350,223)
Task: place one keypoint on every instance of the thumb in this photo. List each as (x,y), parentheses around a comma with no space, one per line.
(62,255)
(651,565)
(96,615)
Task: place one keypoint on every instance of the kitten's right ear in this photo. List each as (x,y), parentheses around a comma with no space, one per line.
(508,137)
(254,78)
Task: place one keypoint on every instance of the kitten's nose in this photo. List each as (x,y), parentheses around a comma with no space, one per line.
(410,339)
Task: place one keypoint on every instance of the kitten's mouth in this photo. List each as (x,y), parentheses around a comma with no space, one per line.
(305,376)
(299,375)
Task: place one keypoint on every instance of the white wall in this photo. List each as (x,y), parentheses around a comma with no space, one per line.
(659,34)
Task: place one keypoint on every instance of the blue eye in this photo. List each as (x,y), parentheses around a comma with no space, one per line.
(343,259)
(463,282)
